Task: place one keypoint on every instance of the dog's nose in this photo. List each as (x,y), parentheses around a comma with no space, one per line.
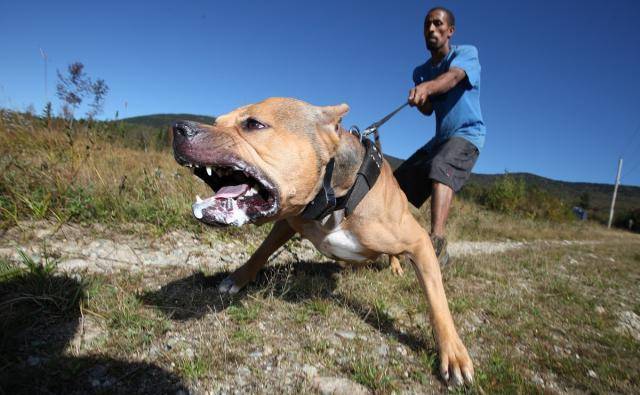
(186,129)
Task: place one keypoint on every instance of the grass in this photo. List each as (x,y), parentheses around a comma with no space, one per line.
(536,320)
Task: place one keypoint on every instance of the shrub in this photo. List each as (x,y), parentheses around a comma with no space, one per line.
(511,195)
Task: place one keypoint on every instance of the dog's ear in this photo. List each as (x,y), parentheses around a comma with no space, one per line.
(330,117)
(333,114)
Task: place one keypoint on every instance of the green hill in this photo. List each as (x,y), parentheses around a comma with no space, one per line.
(598,195)
(165,120)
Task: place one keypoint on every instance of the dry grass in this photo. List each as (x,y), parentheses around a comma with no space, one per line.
(535,321)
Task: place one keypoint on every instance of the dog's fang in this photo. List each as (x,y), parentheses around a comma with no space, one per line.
(198,199)
(209,170)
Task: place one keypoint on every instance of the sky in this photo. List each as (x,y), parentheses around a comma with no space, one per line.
(559,93)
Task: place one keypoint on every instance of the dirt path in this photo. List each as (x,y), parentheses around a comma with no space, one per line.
(99,250)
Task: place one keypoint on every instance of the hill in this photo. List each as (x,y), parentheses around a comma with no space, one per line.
(164,120)
(598,195)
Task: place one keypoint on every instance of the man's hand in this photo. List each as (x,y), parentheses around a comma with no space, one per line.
(419,95)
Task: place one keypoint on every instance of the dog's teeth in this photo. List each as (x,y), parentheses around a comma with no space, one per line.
(198,199)
(209,170)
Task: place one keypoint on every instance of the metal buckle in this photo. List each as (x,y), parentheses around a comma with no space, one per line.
(355,130)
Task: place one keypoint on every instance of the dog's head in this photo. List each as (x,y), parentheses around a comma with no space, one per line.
(264,161)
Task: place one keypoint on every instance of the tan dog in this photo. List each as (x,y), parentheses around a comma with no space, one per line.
(267,161)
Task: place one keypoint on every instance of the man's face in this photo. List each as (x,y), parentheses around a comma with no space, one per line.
(437,30)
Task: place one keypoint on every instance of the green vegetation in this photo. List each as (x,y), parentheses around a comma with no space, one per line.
(511,195)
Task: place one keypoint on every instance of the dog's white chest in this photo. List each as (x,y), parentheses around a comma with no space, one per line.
(333,241)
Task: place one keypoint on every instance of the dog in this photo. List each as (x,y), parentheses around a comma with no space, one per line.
(269,161)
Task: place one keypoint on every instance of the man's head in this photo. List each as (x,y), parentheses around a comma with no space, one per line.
(439,26)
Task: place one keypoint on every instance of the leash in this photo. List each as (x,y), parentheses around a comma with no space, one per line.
(373,128)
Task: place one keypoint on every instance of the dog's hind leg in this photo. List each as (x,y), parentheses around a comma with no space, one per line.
(280,234)
(396,268)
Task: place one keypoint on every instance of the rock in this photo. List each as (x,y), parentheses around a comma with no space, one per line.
(310,371)
(338,386)
(188,353)
(383,350)
(347,335)
(402,351)
(600,310)
(537,380)
(592,374)
(629,323)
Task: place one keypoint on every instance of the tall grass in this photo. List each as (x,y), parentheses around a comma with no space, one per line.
(106,173)
(88,174)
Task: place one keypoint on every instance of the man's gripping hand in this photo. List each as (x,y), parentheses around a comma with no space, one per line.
(419,97)
(419,94)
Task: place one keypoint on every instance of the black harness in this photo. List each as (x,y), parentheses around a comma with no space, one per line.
(326,202)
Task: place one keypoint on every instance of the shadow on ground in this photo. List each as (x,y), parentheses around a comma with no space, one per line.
(194,296)
(39,317)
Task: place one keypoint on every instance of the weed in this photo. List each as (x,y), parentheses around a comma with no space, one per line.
(500,376)
(243,314)
(367,373)
(244,335)
(193,368)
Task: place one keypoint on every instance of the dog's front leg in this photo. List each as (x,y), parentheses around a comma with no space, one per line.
(280,234)
(454,358)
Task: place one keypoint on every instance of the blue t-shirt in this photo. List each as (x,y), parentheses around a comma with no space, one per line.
(457,111)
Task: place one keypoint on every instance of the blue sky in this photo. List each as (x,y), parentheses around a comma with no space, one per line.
(560,92)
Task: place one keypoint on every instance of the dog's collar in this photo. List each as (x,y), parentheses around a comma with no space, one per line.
(325,201)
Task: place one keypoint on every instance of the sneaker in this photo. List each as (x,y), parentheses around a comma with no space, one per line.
(440,246)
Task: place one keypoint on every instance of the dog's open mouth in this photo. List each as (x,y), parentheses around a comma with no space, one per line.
(242,194)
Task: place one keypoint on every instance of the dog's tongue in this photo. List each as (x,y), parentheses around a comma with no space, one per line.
(231,191)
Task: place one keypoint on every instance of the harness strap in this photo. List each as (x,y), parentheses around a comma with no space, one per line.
(365,179)
(325,201)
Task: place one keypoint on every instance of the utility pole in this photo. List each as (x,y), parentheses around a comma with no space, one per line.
(615,192)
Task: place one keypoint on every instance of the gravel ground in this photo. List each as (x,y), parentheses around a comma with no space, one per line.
(96,249)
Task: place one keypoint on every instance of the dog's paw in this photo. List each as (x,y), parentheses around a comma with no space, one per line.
(228,286)
(396,267)
(456,367)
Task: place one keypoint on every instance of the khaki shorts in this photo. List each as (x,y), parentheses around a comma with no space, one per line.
(448,162)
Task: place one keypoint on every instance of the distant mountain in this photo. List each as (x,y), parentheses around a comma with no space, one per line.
(166,120)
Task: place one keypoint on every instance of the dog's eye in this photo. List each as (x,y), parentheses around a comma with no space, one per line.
(253,124)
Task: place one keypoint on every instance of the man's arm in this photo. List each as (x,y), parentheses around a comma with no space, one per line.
(419,95)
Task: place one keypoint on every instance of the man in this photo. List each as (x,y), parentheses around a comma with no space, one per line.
(449,85)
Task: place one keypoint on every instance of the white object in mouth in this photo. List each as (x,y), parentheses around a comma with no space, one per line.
(232,216)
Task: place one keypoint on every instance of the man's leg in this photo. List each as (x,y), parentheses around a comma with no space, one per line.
(441,198)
